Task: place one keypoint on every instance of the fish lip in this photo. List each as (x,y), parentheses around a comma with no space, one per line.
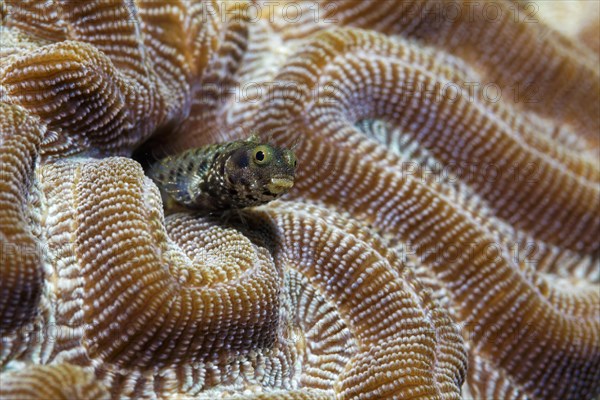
(280,184)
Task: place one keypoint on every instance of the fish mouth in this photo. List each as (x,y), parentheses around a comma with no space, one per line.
(280,185)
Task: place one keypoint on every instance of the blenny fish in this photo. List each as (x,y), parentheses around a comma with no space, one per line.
(224,176)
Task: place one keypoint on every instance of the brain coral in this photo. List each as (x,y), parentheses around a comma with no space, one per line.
(441,240)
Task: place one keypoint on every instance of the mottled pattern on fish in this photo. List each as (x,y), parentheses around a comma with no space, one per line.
(232,175)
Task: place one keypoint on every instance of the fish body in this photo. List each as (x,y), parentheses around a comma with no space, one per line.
(224,176)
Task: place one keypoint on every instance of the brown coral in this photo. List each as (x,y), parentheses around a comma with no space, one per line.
(435,237)
(63,381)
(200,294)
(21,273)
(447,239)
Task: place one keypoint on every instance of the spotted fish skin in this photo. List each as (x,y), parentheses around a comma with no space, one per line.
(224,176)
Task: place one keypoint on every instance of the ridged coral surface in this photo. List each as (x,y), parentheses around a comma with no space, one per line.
(440,241)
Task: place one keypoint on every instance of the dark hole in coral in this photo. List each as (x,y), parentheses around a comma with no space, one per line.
(157,146)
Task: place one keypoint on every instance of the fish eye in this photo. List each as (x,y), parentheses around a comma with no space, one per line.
(262,155)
